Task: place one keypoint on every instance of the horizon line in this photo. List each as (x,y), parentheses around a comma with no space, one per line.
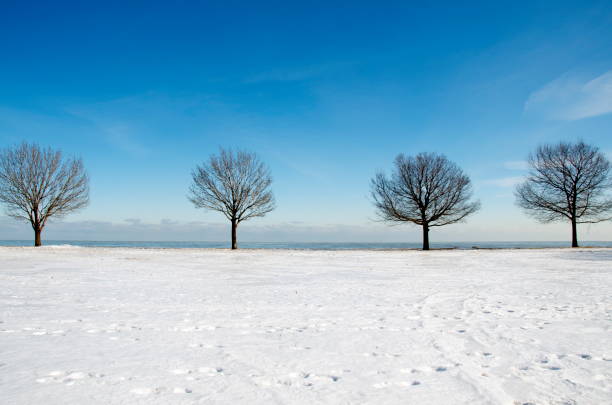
(321,242)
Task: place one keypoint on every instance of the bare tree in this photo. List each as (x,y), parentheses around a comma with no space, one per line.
(37,184)
(237,184)
(567,182)
(427,190)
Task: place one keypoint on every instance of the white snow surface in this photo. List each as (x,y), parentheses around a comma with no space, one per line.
(182,326)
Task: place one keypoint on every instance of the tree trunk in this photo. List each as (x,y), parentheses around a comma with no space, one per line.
(574,234)
(425,237)
(37,239)
(234,241)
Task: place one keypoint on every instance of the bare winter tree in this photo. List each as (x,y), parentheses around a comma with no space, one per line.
(237,184)
(567,182)
(427,190)
(37,184)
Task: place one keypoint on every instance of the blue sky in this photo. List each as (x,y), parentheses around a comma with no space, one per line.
(326,92)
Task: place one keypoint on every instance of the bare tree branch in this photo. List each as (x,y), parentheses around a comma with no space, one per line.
(36,184)
(567,181)
(237,184)
(427,190)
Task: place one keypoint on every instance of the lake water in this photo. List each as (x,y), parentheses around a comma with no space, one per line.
(308,245)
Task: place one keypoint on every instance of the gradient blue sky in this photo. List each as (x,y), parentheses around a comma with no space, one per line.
(326,92)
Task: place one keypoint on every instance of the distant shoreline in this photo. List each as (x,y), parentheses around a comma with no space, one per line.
(59,247)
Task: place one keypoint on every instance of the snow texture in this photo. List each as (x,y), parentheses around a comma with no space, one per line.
(164,326)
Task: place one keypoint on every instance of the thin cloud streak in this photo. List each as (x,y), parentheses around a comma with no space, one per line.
(570,98)
(134,229)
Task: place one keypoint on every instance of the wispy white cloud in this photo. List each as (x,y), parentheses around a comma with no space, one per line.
(504,181)
(571,97)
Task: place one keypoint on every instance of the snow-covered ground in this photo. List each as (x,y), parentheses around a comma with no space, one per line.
(138,326)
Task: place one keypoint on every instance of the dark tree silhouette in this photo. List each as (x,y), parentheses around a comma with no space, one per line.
(237,184)
(567,182)
(427,190)
(37,184)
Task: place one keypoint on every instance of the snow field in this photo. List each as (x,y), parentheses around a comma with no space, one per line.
(182,326)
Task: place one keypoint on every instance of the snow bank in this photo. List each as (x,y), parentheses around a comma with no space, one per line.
(136,326)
